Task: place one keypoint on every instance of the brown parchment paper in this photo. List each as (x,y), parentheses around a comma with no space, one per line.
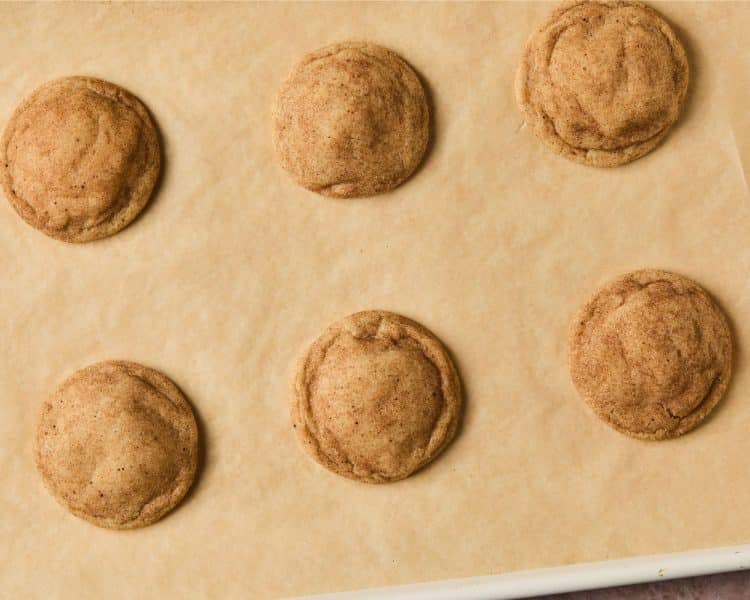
(493,245)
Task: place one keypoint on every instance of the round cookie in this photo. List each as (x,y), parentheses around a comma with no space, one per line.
(651,353)
(351,120)
(601,82)
(376,397)
(79,159)
(117,444)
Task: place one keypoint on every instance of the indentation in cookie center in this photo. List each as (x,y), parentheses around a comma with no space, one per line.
(663,348)
(380,401)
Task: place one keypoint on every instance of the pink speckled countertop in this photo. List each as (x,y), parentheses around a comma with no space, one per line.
(724,586)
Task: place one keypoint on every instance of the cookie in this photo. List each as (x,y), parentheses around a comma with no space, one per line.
(351,120)
(651,353)
(376,397)
(79,159)
(601,82)
(117,444)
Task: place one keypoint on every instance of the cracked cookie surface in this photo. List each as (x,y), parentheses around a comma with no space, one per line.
(117,444)
(651,353)
(601,82)
(79,159)
(376,397)
(351,120)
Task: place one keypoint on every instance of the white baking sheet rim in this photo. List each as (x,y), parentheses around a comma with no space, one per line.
(555,580)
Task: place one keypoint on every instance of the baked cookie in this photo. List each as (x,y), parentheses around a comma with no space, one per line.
(351,120)
(376,397)
(117,444)
(651,353)
(602,81)
(79,159)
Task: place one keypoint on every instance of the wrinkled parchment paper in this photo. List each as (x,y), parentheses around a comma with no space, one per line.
(493,245)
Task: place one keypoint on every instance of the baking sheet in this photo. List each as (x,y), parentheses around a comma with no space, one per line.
(572,578)
(493,245)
